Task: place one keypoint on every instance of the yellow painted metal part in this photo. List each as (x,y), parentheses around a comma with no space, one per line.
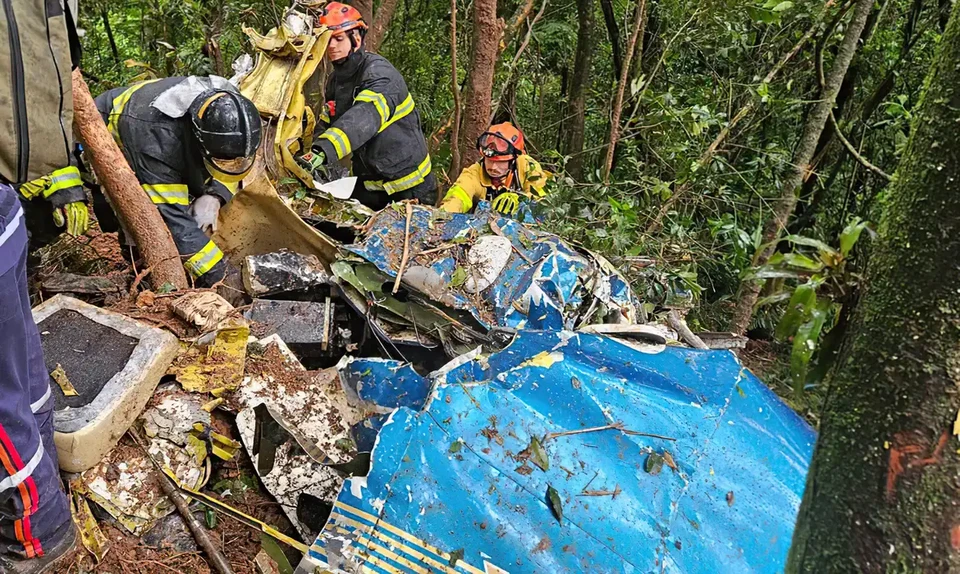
(216,368)
(258,221)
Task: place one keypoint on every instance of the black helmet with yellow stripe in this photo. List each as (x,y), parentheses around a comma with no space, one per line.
(227,125)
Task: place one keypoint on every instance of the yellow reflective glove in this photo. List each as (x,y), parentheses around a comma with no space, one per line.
(506,203)
(75,216)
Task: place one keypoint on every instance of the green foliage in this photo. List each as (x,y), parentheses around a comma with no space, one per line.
(697,65)
(825,279)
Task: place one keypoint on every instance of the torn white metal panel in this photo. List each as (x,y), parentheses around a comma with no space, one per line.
(319,411)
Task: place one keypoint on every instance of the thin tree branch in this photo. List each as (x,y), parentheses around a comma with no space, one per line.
(853,152)
(516,59)
(618,99)
(455,88)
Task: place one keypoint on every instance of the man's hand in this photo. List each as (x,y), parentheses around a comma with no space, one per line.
(506,203)
(205,211)
(75,216)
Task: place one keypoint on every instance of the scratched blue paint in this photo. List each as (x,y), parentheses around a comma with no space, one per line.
(546,288)
(385,383)
(425,497)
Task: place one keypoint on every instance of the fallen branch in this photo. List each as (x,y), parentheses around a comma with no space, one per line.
(443,247)
(659,436)
(612,493)
(406,249)
(216,558)
(680,326)
(553,435)
(121,187)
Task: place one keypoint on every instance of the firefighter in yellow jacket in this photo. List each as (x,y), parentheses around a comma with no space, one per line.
(504,176)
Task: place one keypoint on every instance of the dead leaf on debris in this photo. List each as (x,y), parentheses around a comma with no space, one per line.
(60,376)
(146,299)
(553,497)
(668,459)
(90,534)
(538,455)
(205,309)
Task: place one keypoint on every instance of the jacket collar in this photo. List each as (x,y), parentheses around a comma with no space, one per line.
(345,69)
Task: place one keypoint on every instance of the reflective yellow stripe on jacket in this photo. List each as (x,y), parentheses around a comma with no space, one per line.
(172,193)
(378,101)
(340,141)
(203,260)
(63,178)
(402,111)
(404,183)
(119,103)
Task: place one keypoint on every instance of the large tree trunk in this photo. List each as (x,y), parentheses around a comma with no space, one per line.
(366,9)
(486,38)
(455,89)
(140,217)
(577,104)
(750,289)
(378,31)
(882,489)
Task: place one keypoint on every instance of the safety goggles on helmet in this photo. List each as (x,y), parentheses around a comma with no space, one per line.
(229,170)
(496,147)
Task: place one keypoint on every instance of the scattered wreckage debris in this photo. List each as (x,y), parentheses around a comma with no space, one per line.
(281,272)
(295,426)
(554,400)
(679,408)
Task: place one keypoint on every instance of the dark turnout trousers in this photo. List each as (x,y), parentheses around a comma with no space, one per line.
(33,507)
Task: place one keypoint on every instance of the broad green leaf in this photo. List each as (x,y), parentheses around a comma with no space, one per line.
(810,242)
(653,464)
(782,6)
(800,261)
(851,234)
(273,550)
(802,303)
(459,277)
(805,343)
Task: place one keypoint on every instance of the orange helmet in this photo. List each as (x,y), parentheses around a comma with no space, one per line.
(339,17)
(502,142)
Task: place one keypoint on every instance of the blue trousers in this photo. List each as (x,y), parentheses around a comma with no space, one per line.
(33,507)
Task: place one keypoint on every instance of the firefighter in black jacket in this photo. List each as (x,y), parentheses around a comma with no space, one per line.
(190,141)
(369,112)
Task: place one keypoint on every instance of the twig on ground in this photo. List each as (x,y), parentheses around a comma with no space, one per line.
(406,249)
(612,493)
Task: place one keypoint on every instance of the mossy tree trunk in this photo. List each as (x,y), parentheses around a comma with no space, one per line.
(883,492)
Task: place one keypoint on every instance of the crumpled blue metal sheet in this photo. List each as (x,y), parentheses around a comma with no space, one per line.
(452,478)
(383,383)
(546,284)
